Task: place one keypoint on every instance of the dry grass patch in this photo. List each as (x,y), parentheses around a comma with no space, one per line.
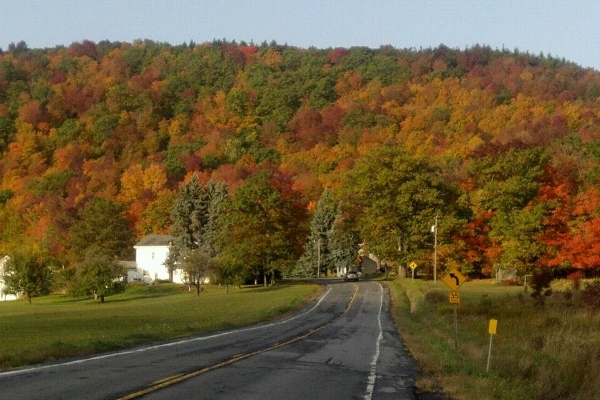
(549,352)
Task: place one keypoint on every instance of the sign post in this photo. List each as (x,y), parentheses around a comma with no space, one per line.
(454,279)
(492,332)
(412,266)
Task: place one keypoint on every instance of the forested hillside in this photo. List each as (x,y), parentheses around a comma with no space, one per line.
(503,146)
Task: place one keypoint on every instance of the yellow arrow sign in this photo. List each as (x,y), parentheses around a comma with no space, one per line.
(413,265)
(454,279)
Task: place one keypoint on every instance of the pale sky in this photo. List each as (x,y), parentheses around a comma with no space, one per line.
(561,28)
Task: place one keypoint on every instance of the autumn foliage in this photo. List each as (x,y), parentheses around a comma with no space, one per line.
(515,136)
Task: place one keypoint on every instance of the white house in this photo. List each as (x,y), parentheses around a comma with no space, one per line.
(3,296)
(150,255)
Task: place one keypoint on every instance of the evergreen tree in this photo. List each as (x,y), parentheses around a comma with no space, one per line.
(322,250)
(195,227)
(344,250)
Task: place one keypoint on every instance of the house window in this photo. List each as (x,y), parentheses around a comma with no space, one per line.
(153,255)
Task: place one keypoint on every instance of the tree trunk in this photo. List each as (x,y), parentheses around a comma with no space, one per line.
(401,271)
(101,298)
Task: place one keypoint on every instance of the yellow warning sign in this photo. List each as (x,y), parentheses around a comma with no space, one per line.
(454,279)
(454,298)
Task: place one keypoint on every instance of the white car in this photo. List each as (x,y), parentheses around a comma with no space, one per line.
(351,276)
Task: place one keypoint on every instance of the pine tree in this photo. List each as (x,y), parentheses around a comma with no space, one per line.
(195,228)
(323,247)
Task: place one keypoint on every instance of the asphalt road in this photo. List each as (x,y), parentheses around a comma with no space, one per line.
(344,345)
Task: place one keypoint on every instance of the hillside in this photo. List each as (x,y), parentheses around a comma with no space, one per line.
(503,145)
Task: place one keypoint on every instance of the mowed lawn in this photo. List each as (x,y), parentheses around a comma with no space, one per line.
(56,326)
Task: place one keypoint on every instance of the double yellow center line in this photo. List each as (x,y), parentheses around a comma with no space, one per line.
(168,381)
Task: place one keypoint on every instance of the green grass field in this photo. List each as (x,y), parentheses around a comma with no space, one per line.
(550,352)
(59,326)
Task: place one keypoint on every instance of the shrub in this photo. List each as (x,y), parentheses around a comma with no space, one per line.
(591,294)
(511,282)
(540,285)
(436,297)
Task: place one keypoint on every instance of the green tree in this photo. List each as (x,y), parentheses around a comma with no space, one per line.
(507,185)
(396,195)
(318,248)
(196,267)
(227,273)
(344,249)
(262,229)
(195,223)
(102,228)
(98,275)
(26,274)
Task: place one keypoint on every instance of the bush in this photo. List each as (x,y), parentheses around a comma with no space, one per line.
(511,282)
(436,297)
(591,294)
(540,285)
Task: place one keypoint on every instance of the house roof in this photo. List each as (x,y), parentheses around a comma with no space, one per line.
(155,240)
(128,264)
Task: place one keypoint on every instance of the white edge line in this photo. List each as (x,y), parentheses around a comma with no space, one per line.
(373,373)
(158,346)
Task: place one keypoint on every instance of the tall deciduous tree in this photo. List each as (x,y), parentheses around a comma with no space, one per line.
(263,226)
(396,196)
(581,249)
(508,186)
(102,228)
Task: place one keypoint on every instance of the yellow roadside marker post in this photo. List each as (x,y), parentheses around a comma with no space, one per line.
(492,331)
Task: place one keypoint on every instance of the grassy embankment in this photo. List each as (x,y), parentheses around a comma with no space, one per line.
(538,353)
(58,326)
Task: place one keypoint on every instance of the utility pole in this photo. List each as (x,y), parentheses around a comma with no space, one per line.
(435,229)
